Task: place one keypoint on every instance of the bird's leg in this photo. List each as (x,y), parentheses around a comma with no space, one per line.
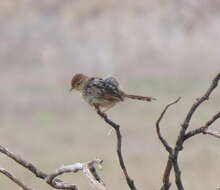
(96,106)
(98,110)
(103,115)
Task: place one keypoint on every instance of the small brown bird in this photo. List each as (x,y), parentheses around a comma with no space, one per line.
(101,93)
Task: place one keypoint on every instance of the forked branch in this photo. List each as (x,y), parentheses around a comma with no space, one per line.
(88,169)
(166,176)
(162,139)
(181,138)
(202,129)
(184,135)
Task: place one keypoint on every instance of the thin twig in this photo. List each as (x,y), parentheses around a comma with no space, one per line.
(162,139)
(116,127)
(32,168)
(203,128)
(14,179)
(91,173)
(88,170)
(166,175)
(212,133)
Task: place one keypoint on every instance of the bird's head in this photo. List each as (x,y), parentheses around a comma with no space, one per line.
(78,81)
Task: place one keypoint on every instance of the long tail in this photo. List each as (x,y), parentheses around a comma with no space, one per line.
(136,97)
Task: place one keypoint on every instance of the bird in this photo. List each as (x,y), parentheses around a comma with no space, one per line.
(102,93)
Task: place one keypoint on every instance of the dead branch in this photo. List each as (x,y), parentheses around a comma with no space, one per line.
(183,136)
(163,141)
(88,169)
(166,175)
(202,129)
(212,133)
(116,127)
(14,179)
(198,102)
(23,162)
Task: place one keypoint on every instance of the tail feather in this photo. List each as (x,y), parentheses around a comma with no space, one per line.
(136,97)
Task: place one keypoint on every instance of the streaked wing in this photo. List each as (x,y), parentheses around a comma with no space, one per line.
(95,87)
(104,88)
(111,80)
(111,87)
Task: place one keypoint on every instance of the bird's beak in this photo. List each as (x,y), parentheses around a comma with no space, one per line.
(71,89)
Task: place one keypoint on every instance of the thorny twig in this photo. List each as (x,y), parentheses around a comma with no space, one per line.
(116,127)
(88,169)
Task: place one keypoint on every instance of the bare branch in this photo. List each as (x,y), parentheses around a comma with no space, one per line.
(52,180)
(214,118)
(163,141)
(198,102)
(174,152)
(202,129)
(116,127)
(24,163)
(182,135)
(14,179)
(177,172)
(91,173)
(212,133)
(88,168)
(166,175)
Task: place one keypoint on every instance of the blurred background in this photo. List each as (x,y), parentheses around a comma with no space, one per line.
(163,49)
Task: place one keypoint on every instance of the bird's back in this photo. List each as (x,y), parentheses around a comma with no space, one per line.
(102,90)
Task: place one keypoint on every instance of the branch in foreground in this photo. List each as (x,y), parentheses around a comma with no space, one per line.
(116,127)
(14,179)
(23,162)
(88,170)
